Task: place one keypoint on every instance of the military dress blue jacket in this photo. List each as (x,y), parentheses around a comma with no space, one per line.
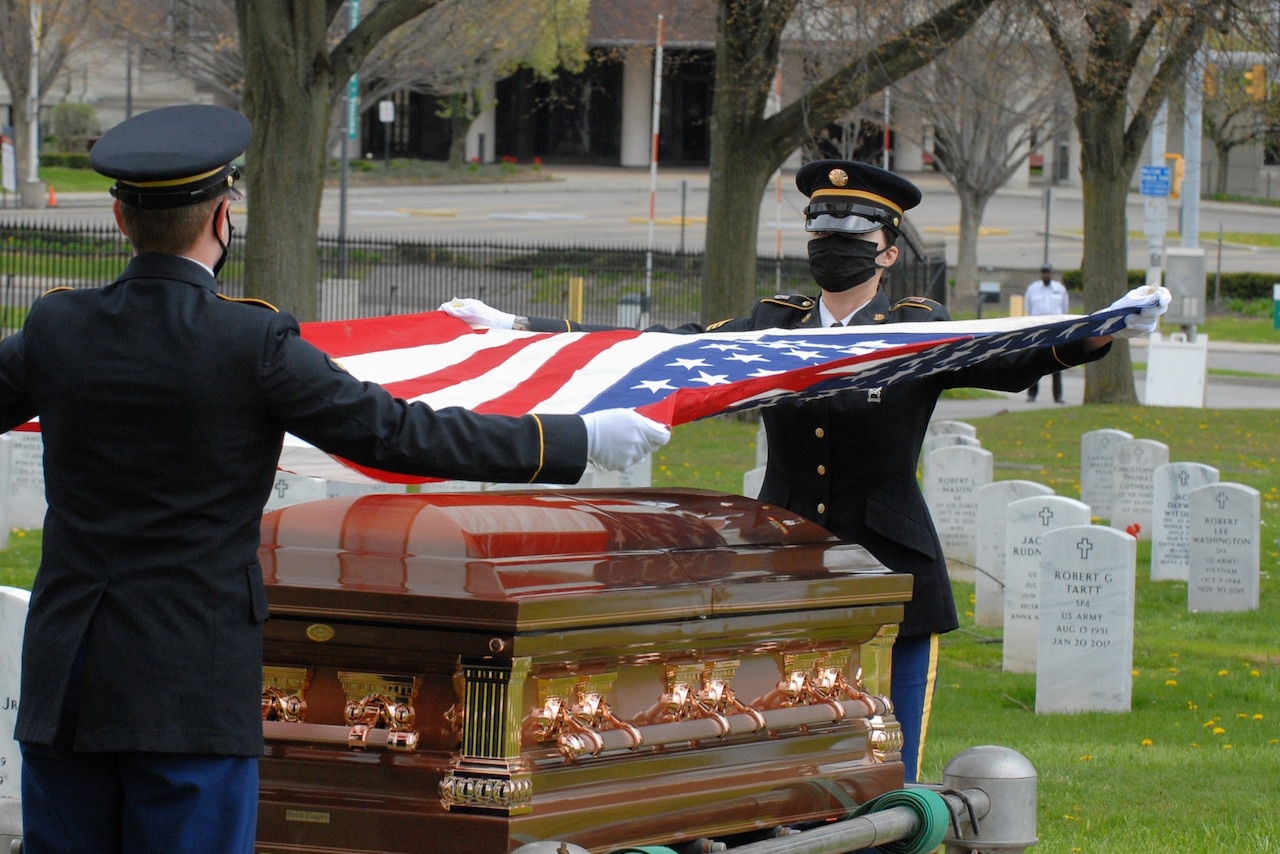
(163,408)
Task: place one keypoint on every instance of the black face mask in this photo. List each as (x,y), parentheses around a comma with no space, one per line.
(226,247)
(839,263)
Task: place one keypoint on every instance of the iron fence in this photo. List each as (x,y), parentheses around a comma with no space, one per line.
(373,276)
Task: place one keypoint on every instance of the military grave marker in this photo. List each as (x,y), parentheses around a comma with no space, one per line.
(1097,468)
(1085,645)
(1131,499)
(1171,517)
(950,491)
(1225,548)
(1029,520)
(993,511)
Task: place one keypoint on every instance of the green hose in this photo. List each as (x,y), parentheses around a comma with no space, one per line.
(933,818)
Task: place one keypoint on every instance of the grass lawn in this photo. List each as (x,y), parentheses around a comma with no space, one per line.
(1195,766)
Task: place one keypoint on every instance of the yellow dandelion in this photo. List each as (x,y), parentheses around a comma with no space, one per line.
(1242,715)
(1224,672)
(1146,742)
(1169,683)
(1254,673)
(1218,730)
(1088,757)
(1137,672)
(1257,716)
(1069,817)
(1192,705)
(1173,670)
(1228,747)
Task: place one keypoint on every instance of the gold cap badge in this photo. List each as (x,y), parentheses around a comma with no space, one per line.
(838,177)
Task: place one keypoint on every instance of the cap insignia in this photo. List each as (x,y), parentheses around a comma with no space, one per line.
(838,177)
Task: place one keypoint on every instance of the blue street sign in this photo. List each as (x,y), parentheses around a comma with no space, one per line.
(1155,180)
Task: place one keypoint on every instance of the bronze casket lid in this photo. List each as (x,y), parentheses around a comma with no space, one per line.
(522,560)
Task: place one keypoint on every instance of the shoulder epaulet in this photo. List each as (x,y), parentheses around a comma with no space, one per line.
(55,290)
(261,303)
(799,302)
(916,302)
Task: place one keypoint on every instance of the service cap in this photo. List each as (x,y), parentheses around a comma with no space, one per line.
(854,198)
(173,156)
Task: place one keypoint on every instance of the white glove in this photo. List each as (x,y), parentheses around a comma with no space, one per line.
(619,438)
(1142,323)
(476,313)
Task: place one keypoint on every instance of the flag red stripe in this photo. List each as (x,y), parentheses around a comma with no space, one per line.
(551,376)
(341,339)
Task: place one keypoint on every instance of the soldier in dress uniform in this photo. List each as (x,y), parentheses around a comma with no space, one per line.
(848,461)
(163,406)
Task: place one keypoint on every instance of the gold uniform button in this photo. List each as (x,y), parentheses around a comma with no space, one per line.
(822,508)
(819,432)
(822,469)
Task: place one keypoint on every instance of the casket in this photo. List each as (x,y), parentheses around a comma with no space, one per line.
(472,672)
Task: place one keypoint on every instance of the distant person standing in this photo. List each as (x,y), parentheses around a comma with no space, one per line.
(1047,295)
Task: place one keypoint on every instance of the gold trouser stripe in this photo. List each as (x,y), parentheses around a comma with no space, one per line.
(1059,358)
(929,685)
(542,446)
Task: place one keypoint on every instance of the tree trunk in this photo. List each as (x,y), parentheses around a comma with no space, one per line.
(286,44)
(1105,172)
(733,219)
(1220,180)
(971,211)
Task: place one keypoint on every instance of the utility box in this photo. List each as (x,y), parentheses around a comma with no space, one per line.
(1184,276)
(989,291)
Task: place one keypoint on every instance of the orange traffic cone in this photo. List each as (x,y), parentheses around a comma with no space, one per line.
(53,197)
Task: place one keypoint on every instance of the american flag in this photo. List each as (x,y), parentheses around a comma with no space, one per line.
(441,361)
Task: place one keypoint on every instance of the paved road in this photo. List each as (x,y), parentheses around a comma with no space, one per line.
(612,206)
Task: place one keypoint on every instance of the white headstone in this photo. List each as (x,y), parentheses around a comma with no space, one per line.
(290,489)
(951,492)
(1028,521)
(1135,463)
(26,481)
(752,481)
(1097,468)
(342,488)
(6,457)
(943,440)
(13,617)
(1171,517)
(1226,544)
(989,545)
(762,447)
(1086,621)
(947,427)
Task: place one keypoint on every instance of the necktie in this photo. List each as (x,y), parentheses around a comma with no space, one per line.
(836,323)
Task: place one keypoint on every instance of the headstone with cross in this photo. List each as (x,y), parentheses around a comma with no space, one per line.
(1097,468)
(993,512)
(1085,643)
(289,489)
(1135,463)
(1171,517)
(1028,521)
(1225,548)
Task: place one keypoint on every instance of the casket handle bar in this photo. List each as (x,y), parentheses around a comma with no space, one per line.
(404,741)
(576,745)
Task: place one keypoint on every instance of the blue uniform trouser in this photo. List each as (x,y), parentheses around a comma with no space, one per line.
(137,803)
(915,670)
